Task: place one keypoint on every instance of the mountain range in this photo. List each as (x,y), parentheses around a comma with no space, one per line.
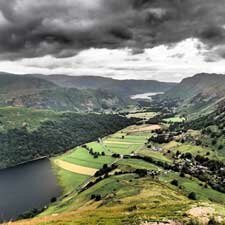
(198,94)
(81,94)
(119,87)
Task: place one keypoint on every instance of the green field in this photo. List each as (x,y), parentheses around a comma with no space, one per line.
(193,149)
(142,115)
(124,143)
(69,180)
(111,144)
(81,157)
(137,164)
(155,155)
(176,119)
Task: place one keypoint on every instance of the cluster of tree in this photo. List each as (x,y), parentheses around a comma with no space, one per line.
(96,197)
(30,214)
(91,152)
(165,105)
(105,170)
(116,155)
(141,172)
(54,137)
(161,138)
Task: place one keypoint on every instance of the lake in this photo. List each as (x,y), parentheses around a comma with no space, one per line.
(146,95)
(25,187)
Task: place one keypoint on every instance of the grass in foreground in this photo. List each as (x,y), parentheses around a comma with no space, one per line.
(125,199)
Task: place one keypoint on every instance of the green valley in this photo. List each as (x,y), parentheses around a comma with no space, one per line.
(147,163)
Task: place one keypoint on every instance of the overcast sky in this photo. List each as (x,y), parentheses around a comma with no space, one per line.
(126,39)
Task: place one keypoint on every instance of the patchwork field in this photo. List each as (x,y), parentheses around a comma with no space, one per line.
(142,128)
(125,198)
(75,168)
(142,115)
(80,162)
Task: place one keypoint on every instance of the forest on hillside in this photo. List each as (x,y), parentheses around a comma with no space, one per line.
(53,137)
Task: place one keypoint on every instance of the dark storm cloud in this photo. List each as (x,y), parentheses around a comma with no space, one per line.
(31,28)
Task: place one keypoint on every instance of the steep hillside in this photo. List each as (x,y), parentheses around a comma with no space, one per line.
(200,84)
(10,83)
(200,93)
(34,92)
(49,133)
(61,99)
(121,87)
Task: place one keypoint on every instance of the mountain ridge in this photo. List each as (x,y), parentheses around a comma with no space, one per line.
(35,92)
(121,87)
(199,93)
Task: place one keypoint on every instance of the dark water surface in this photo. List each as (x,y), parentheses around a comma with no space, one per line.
(26,187)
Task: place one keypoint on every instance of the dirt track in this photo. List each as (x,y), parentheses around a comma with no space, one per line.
(75,168)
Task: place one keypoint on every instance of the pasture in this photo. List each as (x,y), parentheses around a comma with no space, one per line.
(193,149)
(176,119)
(80,163)
(189,184)
(142,115)
(81,157)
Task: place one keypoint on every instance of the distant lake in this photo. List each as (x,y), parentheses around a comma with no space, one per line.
(146,95)
(26,187)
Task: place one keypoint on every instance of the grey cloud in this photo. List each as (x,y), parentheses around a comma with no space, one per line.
(62,28)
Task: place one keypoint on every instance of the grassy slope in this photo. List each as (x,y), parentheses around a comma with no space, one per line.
(125,198)
(188,185)
(13,117)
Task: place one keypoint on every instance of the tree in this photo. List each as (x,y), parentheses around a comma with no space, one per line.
(174,182)
(192,196)
(214,141)
(98,198)
(182,174)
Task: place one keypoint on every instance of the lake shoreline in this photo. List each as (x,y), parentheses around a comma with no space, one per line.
(24,163)
(27,188)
